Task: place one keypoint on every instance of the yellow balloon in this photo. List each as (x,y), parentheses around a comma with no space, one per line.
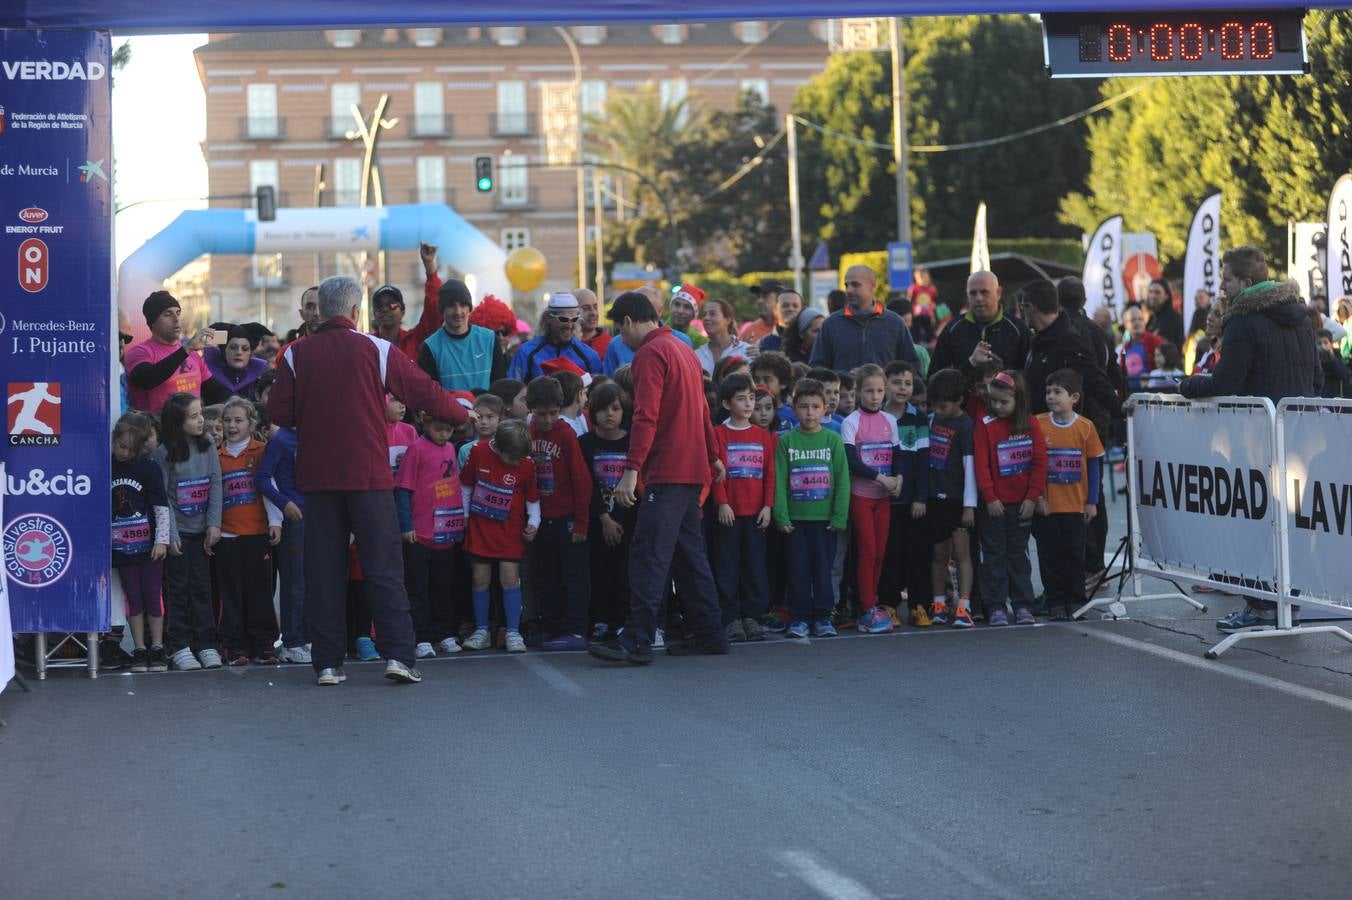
(526,268)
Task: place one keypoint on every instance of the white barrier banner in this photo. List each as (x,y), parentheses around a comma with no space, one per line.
(1201,487)
(6,639)
(1318,508)
(1103,268)
(1202,265)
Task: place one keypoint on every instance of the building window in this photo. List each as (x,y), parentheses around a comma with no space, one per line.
(512,108)
(673,93)
(346,181)
(262,111)
(590,35)
(515,238)
(671,34)
(343,95)
(268,271)
(752,32)
(594,98)
(426,37)
(346,37)
(758,86)
(507,37)
(431,179)
(429,111)
(513,180)
(262,173)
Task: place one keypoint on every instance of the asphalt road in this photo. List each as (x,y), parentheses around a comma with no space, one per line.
(1104,759)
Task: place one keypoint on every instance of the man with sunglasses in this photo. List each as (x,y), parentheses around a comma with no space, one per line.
(387,305)
(559,339)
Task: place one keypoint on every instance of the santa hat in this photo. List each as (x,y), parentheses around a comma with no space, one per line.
(691,294)
(563,364)
(493,314)
(464,398)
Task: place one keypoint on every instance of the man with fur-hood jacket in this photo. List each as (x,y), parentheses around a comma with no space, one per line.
(1270,348)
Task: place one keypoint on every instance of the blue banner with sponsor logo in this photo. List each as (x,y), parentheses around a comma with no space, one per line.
(56,209)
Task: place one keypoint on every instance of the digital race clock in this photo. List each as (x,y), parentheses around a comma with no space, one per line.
(1252,42)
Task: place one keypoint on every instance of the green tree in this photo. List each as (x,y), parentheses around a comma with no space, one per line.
(968,78)
(1273,146)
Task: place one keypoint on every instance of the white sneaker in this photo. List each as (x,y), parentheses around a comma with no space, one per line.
(210,658)
(659,639)
(479,640)
(449,645)
(184,661)
(515,642)
(331,676)
(424,650)
(295,655)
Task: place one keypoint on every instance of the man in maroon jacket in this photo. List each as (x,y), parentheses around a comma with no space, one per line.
(331,389)
(668,393)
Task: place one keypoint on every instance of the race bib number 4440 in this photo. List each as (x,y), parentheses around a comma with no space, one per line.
(810,483)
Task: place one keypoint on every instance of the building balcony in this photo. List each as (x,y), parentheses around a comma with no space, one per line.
(337,127)
(262,128)
(516,200)
(512,124)
(430,126)
(345,198)
(270,277)
(432,195)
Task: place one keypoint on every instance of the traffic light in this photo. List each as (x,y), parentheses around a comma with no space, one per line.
(483,173)
(266,199)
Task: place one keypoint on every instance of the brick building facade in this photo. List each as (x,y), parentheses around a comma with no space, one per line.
(277,107)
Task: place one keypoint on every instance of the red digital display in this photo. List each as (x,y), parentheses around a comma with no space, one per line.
(1174,43)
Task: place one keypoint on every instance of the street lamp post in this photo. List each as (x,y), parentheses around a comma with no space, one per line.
(581,187)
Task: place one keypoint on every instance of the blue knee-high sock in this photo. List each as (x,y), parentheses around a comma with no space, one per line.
(511,606)
(481,602)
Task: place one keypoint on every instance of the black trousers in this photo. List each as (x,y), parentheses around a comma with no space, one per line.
(906,563)
(1060,552)
(187,588)
(738,557)
(560,573)
(668,541)
(429,577)
(244,579)
(609,575)
(1096,537)
(369,515)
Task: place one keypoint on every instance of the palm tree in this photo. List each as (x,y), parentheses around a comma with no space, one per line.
(638,131)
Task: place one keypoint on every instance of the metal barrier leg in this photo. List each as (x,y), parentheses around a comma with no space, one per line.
(1272,632)
(92,638)
(40,655)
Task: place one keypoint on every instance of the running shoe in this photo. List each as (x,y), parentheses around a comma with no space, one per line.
(140,660)
(824,628)
(366,650)
(797,630)
(875,621)
(1245,620)
(514,643)
(448,645)
(735,631)
(962,617)
(774,623)
(210,658)
(920,618)
(1024,616)
(184,661)
(401,674)
(892,615)
(479,639)
(330,676)
(159,662)
(997,617)
(424,650)
(753,629)
(939,613)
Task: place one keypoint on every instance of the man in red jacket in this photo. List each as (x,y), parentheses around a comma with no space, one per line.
(331,389)
(668,390)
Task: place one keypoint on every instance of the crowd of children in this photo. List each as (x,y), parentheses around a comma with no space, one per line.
(864,500)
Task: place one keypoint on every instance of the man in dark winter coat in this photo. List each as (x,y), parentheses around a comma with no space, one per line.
(983,331)
(1270,348)
(1058,344)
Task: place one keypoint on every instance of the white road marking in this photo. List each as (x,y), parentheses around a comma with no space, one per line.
(825,881)
(550,675)
(1285,687)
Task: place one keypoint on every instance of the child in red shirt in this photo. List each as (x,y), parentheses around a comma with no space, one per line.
(499,491)
(1011,474)
(744,501)
(432,519)
(560,562)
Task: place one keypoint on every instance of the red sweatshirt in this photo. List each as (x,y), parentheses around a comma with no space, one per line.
(1010,467)
(749,455)
(411,341)
(561,475)
(331,388)
(669,395)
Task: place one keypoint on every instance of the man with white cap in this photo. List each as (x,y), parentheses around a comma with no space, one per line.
(558,340)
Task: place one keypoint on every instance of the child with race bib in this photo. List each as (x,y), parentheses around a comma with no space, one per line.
(812,503)
(432,519)
(140,539)
(1011,473)
(250,527)
(499,492)
(605,449)
(192,478)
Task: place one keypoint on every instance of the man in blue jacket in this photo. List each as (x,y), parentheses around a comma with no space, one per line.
(862,331)
(558,340)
